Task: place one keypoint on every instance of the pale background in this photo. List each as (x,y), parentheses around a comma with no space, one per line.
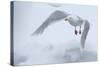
(5,31)
(57,38)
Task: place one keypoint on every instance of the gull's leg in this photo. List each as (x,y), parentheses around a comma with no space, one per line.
(75,31)
(80,30)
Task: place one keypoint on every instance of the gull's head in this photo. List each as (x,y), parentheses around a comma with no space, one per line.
(71,17)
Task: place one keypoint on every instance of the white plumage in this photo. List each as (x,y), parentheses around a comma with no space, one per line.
(73,20)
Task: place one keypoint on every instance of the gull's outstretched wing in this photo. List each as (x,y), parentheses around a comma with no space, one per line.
(55,16)
(85,32)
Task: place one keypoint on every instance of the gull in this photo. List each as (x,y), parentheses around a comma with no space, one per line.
(71,19)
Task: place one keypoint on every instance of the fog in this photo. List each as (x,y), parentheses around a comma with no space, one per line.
(58,43)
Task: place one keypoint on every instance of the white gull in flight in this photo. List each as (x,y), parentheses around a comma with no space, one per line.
(73,20)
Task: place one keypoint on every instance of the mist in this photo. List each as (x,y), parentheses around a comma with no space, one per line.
(58,43)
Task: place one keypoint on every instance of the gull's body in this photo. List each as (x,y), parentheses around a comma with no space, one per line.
(71,19)
(74,20)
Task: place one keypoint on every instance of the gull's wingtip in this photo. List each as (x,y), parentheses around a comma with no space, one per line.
(36,33)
